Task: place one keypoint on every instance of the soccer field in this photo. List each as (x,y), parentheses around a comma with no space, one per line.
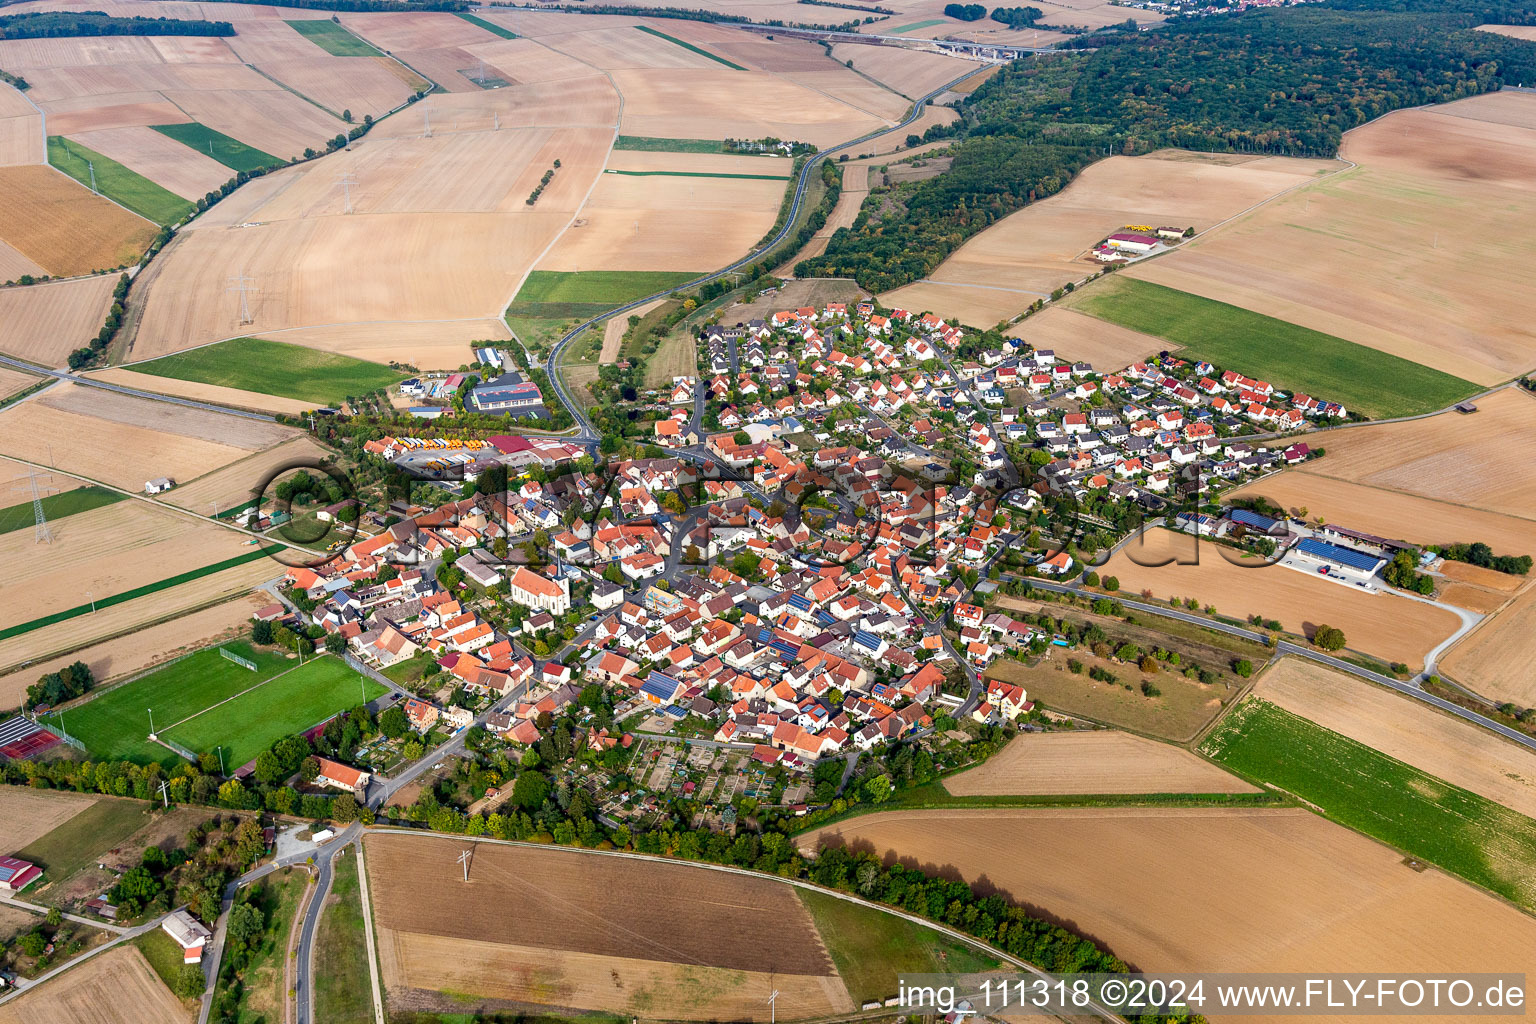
(115,724)
(291,703)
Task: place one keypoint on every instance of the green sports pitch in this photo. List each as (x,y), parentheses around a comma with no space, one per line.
(205,700)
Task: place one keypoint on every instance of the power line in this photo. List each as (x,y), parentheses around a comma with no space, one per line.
(346,181)
(41,534)
(242,284)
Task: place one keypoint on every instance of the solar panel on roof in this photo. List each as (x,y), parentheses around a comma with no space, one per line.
(1253,519)
(1334,553)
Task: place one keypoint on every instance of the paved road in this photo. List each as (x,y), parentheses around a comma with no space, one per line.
(304,963)
(587,435)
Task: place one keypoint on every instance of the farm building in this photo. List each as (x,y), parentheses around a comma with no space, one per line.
(340,776)
(16,875)
(189,933)
(1341,561)
(510,392)
(158,485)
(1130,242)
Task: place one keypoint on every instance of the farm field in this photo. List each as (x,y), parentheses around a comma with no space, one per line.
(1435,743)
(14,266)
(232,153)
(664,211)
(584,933)
(816,291)
(30,814)
(1098,762)
(21,128)
(1448,458)
(1398,254)
(114,725)
(1391,627)
(231,486)
(1365,380)
(58,224)
(1396,802)
(124,441)
(123,186)
(1309,891)
(140,649)
(43,323)
(1390,513)
(232,397)
(162,160)
(613,331)
(911,73)
(116,987)
(275,368)
(1513,31)
(332,38)
(18,653)
(854,190)
(291,702)
(549,299)
(1185,707)
(57,504)
(1074,336)
(997,274)
(1495,658)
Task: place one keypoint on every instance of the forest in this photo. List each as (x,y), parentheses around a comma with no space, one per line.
(1287,81)
(57,24)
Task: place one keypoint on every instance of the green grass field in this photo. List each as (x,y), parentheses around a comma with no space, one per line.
(164,956)
(342,991)
(872,949)
(651,144)
(1381,796)
(332,38)
(57,506)
(115,724)
(275,368)
(232,153)
(489,26)
(689,46)
(80,840)
(1294,358)
(116,182)
(914,26)
(699,174)
(129,595)
(289,703)
(609,287)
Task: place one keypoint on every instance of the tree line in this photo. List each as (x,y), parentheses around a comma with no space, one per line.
(1284,81)
(59,24)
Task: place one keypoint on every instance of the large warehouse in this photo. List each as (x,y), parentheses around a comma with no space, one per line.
(1339,561)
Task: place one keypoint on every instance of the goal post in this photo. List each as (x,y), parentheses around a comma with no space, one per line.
(243,662)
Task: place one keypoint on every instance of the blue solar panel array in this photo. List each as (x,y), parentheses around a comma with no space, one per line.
(1252,520)
(1333,553)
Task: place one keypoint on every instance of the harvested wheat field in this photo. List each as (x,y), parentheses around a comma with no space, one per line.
(1390,513)
(1299,891)
(1092,763)
(664,222)
(57,223)
(44,323)
(117,987)
(26,814)
(106,551)
(432,345)
(1027,254)
(161,159)
(1495,658)
(12,381)
(1513,31)
(718,103)
(1487,579)
(237,481)
(1410,253)
(447,237)
(560,929)
(1486,460)
(1386,625)
(19,653)
(14,266)
(124,441)
(137,650)
(912,73)
(274,121)
(363,85)
(1445,747)
(233,397)
(125,110)
(1074,337)
(21,129)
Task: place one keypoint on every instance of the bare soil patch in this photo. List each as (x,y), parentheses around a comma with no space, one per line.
(26,814)
(56,222)
(1473,598)
(1445,747)
(998,273)
(1395,254)
(1309,892)
(1092,762)
(43,323)
(1476,575)
(1386,625)
(116,987)
(583,932)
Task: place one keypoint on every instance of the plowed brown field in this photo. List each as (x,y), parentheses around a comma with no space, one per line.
(1092,762)
(43,323)
(1301,892)
(57,223)
(562,929)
